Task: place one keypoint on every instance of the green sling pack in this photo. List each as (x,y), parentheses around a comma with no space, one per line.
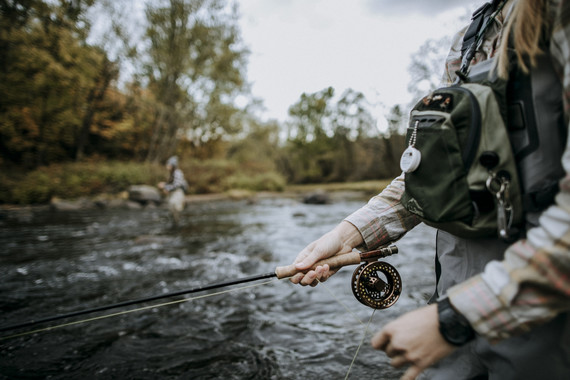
(460,171)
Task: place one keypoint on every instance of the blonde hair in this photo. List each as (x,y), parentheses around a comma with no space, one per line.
(524,30)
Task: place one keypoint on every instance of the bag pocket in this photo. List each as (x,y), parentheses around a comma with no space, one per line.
(437,190)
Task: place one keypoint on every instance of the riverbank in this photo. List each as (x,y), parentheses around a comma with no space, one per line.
(91,178)
(105,182)
(319,193)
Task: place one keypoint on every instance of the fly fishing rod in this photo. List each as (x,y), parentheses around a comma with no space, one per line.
(368,285)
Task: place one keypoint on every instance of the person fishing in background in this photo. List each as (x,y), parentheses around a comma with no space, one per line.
(502,309)
(175,189)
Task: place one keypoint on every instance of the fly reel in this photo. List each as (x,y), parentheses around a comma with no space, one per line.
(376,284)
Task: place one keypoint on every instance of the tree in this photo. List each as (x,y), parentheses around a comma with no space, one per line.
(46,74)
(195,69)
(426,68)
(352,123)
(310,116)
(258,149)
(309,139)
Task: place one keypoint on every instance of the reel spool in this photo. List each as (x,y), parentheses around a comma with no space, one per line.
(376,284)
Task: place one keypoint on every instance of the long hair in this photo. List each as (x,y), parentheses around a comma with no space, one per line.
(523,30)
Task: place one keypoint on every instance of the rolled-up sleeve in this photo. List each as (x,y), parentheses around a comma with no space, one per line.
(383,219)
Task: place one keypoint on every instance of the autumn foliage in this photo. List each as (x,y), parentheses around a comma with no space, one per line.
(79,115)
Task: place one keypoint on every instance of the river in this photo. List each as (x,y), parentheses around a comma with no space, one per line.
(58,262)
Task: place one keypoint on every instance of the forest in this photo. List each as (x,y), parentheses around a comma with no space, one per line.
(89,106)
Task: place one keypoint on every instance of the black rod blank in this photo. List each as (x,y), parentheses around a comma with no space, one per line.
(138,301)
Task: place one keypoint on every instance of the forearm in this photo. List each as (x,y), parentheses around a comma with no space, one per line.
(384,219)
(349,234)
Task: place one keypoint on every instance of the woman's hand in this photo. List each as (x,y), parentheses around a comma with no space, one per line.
(342,239)
(413,339)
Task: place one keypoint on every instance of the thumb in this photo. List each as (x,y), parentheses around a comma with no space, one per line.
(308,256)
(308,261)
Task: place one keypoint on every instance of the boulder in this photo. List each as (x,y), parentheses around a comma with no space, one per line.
(317,198)
(144,194)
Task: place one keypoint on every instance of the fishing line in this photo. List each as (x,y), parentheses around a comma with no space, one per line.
(138,301)
(134,310)
(282,272)
(374,292)
(357,318)
(360,345)
(340,302)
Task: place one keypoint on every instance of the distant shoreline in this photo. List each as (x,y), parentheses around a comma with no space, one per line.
(336,191)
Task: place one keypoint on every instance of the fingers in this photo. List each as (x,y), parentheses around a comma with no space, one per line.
(413,340)
(326,246)
(399,359)
(296,279)
(412,373)
(381,340)
(312,277)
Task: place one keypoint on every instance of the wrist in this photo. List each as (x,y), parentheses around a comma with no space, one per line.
(453,326)
(349,234)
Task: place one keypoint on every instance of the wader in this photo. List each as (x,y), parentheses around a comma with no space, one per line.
(176,204)
(538,133)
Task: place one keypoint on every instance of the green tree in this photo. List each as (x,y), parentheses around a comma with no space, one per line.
(352,123)
(309,116)
(195,69)
(338,141)
(258,149)
(351,116)
(309,137)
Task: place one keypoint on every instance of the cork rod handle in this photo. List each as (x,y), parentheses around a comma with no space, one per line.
(335,262)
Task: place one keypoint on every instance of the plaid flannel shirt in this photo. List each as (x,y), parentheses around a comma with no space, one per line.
(531,284)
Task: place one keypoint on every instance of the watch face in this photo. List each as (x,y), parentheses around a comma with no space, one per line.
(455,332)
(452,326)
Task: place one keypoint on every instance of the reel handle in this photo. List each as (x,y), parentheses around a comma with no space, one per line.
(337,262)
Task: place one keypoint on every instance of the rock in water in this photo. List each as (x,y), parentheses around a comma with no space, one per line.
(317,198)
(144,194)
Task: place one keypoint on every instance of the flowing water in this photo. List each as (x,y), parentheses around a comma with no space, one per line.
(58,262)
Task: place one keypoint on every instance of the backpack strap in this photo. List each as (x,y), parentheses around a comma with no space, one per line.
(537,201)
(480,20)
(476,23)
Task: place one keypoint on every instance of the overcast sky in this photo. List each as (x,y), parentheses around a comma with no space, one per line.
(307,45)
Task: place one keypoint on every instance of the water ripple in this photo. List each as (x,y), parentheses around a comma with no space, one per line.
(61,262)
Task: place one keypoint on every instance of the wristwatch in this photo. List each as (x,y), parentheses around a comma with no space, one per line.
(454,327)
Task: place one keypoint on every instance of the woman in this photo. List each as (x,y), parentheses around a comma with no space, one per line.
(503,310)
